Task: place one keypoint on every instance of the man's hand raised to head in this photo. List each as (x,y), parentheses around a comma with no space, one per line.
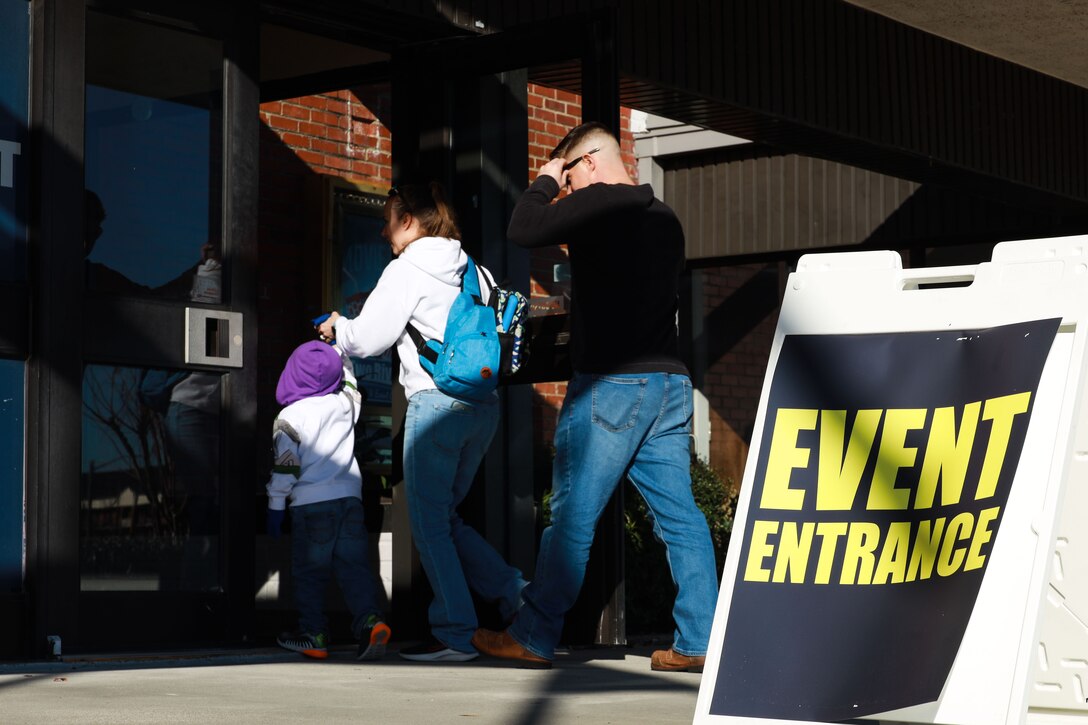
(554,169)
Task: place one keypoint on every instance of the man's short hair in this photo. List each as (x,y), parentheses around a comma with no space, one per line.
(577,135)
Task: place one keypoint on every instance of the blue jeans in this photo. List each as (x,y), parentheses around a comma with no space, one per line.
(444,441)
(611,426)
(329,538)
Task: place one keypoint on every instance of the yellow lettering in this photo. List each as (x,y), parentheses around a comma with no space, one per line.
(839,474)
(1001,411)
(975,559)
(924,554)
(892,566)
(829,534)
(947,456)
(793,552)
(784,457)
(859,556)
(893,455)
(760,550)
(951,557)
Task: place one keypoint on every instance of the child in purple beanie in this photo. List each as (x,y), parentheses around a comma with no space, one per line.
(314,468)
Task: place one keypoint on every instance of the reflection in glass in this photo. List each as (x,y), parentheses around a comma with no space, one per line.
(153,157)
(14,138)
(149,513)
(11,476)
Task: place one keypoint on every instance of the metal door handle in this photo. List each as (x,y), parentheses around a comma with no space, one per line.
(213,337)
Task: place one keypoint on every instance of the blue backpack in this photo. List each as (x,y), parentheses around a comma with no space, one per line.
(480,343)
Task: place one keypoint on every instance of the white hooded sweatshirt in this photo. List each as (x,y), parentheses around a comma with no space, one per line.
(418,286)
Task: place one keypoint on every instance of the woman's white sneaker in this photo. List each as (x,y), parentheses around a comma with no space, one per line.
(434,651)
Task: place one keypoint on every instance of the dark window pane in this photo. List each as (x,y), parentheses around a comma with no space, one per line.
(153,157)
(11,475)
(14,55)
(150,503)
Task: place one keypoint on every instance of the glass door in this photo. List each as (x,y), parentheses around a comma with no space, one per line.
(160,340)
(14,182)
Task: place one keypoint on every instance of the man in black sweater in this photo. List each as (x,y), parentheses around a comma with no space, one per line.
(628,407)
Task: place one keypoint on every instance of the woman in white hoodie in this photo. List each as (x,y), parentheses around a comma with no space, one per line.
(445,438)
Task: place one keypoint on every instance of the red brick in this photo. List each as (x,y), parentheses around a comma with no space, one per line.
(334,134)
(311,129)
(325,146)
(293,110)
(336,162)
(568,97)
(567,120)
(296,140)
(323,118)
(365,168)
(311,158)
(282,124)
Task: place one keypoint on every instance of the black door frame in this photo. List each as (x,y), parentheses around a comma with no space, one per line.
(435,87)
(60,321)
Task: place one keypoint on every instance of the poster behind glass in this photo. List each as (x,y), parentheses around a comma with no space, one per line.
(364,255)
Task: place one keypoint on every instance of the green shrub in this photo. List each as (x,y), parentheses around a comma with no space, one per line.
(649,591)
(714,498)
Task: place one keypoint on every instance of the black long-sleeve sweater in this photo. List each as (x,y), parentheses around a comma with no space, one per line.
(626,254)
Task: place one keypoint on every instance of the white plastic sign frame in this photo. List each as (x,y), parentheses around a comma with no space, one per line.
(996,669)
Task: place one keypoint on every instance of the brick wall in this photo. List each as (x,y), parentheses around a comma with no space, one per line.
(333,133)
(733,383)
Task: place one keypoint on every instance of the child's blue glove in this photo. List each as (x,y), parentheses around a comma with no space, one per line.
(317,323)
(274,523)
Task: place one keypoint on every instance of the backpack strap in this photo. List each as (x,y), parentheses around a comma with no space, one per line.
(421,344)
(470,283)
(489,281)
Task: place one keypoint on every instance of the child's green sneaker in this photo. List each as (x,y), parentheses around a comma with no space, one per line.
(373,638)
(311,645)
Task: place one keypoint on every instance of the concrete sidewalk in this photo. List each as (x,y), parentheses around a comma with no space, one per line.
(269,686)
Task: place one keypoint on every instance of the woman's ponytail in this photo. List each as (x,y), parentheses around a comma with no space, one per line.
(446,221)
(427,203)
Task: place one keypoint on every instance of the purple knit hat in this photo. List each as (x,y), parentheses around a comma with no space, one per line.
(314,369)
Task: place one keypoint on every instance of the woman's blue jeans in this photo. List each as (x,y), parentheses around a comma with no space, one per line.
(329,538)
(444,442)
(611,426)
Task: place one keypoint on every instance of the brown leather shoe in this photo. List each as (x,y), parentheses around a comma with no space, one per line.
(501,644)
(669,660)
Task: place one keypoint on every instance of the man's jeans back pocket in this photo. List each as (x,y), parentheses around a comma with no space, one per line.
(616,402)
